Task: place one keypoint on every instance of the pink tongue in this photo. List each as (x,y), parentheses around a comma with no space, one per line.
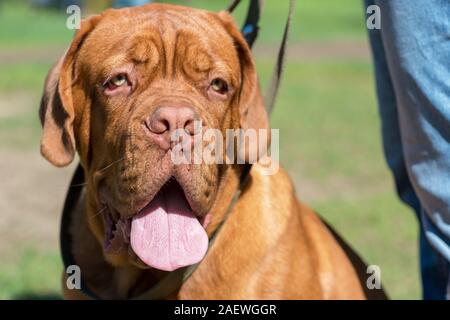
(166,235)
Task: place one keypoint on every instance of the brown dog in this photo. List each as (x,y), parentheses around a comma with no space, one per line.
(129,79)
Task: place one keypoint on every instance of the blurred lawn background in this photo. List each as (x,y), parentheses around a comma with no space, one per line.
(326,113)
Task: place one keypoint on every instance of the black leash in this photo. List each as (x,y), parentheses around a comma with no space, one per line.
(173,281)
(251,28)
(275,81)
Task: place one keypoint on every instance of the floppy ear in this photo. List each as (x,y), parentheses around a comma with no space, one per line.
(57,110)
(252,114)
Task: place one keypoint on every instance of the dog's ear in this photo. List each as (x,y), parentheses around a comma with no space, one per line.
(252,113)
(57,110)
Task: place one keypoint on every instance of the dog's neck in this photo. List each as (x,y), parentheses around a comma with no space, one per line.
(227,189)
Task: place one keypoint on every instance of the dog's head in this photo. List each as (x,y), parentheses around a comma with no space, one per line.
(129,80)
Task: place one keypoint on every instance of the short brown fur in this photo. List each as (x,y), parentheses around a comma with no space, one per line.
(271,246)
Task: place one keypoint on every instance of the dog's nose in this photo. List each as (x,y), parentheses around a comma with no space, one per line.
(166,119)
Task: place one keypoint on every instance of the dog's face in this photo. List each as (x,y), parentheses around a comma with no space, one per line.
(130,79)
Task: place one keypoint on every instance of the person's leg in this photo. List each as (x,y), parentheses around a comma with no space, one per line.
(392,143)
(413,90)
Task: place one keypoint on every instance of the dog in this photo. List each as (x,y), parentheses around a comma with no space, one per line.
(129,79)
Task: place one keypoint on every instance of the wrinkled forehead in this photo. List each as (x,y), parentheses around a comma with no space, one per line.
(162,34)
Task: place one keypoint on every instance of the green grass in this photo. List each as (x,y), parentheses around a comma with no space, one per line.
(23,27)
(27,76)
(333,101)
(20,132)
(329,132)
(384,232)
(31,275)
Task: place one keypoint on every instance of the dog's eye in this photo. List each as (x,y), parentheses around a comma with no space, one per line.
(219,86)
(117,81)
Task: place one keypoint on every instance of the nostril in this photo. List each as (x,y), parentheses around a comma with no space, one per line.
(168,119)
(189,127)
(157,124)
(186,119)
(163,125)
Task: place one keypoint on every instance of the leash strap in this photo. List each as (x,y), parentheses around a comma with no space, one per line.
(272,91)
(251,28)
(173,281)
(250,32)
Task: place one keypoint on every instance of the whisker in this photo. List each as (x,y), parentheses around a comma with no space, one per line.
(105,168)
(111,164)
(116,108)
(99,212)
(79,185)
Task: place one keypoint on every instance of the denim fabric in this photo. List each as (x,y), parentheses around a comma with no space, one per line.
(412,66)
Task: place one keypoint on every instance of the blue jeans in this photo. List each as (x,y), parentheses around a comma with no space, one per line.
(412,65)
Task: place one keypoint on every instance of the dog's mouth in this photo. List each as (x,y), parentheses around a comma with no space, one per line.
(166,234)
